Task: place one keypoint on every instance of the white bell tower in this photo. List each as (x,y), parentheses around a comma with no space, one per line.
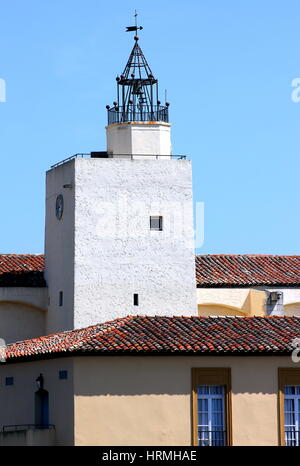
(119,225)
(138,125)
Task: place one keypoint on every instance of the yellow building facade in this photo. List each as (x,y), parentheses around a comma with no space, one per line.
(248,285)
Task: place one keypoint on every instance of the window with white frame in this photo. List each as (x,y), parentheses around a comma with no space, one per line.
(292,415)
(211,415)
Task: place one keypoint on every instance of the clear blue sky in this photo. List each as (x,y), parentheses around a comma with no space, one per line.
(228,67)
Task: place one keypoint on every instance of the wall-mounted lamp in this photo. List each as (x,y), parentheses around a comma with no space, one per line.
(40,382)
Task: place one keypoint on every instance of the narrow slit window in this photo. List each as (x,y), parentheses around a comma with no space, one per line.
(156,223)
(61,298)
(135,299)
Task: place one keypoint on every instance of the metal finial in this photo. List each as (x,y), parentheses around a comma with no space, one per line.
(135,16)
(134,28)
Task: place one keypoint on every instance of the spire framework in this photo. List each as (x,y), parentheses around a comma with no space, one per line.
(137,92)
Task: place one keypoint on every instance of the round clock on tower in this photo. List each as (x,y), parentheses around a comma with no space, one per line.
(59,206)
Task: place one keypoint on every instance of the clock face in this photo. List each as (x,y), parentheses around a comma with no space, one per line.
(59,206)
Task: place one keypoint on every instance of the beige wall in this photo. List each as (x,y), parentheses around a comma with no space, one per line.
(247,301)
(292,309)
(147,400)
(22,312)
(17,401)
(234,297)
(19,321)
(141,400)
(255,303)
(34,296)
(206,310)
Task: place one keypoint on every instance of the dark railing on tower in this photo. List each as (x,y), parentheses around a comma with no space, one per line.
(137,113)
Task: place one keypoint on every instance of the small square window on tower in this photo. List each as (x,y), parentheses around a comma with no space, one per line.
(156,223)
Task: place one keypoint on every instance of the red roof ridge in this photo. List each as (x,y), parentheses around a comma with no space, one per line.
(248,255)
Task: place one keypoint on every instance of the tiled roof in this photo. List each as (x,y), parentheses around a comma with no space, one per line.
(246,270)
(162,335)
(211,270)
(22,270)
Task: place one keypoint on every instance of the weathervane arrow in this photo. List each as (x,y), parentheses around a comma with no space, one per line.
(133,28)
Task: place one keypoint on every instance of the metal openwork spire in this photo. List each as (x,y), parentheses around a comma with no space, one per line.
(137,90)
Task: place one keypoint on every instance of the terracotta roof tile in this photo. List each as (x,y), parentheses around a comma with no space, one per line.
(22,270)
(175,335)
(246,270)
(211,270)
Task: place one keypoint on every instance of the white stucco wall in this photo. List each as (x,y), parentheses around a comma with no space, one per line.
(59,248)
(139,138)
(116,254)
(102,250)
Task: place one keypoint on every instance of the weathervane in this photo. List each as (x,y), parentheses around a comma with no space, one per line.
(134,28)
